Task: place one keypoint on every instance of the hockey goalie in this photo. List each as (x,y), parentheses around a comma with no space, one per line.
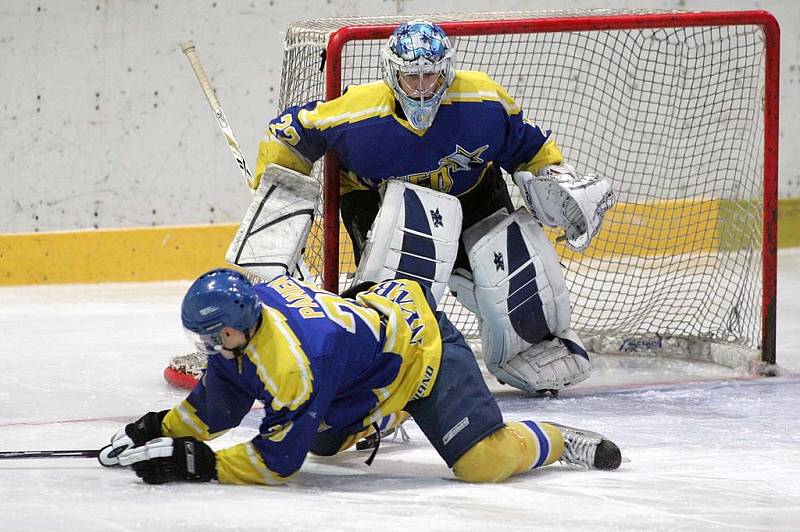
(423,197)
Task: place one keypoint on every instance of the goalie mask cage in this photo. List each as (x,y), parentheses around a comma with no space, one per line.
(678,109)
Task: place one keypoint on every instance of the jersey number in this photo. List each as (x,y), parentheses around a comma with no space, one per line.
(344,312)
(285,130)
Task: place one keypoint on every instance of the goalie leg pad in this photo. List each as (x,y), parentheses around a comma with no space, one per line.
(519,288)
(414,236)
(551,364)
(462,287)
(272,235)
(524,305)
(461,282)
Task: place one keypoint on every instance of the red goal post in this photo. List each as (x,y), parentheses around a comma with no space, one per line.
(679,109)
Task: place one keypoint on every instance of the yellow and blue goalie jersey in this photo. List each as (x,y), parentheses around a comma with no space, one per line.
(318,362)
(478,125)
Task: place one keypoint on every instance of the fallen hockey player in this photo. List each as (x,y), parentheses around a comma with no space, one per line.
(330,371)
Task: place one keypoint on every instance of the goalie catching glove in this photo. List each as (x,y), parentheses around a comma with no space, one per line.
(560,197)
(139,432)
(171,459)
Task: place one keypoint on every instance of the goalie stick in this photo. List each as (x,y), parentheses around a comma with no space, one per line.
(183,371)
(190,52)
(177,373)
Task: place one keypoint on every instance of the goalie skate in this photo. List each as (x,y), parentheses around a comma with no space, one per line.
(184,371)
(588,449)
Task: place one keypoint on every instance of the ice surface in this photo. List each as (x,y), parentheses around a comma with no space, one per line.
(707,448)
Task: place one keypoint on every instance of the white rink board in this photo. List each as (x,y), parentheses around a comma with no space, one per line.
(79,361)
(101,110)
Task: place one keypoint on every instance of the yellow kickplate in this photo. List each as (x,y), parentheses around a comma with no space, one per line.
(113,255)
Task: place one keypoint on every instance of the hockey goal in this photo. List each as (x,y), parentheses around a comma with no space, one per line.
(678,109)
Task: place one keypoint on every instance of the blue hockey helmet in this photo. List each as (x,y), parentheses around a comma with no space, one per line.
(418,65)
(219,298)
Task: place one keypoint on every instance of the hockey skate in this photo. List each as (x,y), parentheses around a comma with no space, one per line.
(588,449)
(391,427)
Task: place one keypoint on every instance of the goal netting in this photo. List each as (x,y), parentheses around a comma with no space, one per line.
(674,107)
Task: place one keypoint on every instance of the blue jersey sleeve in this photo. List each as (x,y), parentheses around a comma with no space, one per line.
(218,401)
(215,405)
(289,129)
(526,146)
(289,143)
(285,435)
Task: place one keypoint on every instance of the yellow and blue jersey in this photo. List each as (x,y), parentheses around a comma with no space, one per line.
(478,125)
(317,362)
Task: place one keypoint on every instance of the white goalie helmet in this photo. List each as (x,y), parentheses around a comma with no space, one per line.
(418,65)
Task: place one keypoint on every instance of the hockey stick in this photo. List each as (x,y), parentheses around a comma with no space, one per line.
(90,453)
(190,52)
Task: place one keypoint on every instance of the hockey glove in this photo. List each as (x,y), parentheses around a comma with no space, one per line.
(139,432)
(560,197)
(171,459)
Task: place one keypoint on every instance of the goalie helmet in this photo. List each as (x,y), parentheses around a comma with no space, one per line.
(217,299)
(418,66)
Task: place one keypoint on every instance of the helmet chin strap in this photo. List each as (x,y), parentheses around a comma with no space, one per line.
(248,335)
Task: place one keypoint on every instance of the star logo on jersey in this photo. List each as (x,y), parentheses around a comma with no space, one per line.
(441,179)
(436,218)
(462,159)
(499,264)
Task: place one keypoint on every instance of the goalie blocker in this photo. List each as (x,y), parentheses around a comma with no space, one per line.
(272,235)
(268,243)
